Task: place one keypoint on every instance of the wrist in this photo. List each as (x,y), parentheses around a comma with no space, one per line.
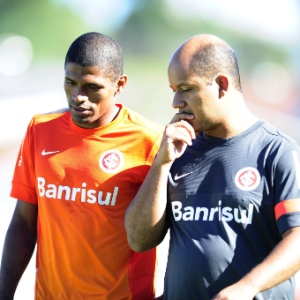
(162,162)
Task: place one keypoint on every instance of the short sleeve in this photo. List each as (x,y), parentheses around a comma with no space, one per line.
(23,183)
(287,188)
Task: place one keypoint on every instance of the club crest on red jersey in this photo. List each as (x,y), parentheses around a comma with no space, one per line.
(247,179)
(111,161)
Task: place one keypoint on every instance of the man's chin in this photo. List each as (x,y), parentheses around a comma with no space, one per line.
(82,122)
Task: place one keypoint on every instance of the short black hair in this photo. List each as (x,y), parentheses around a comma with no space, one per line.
(97,49)
(216,58)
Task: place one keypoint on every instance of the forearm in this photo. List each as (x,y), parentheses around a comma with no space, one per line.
(145,217)
(282,263)
(17,251)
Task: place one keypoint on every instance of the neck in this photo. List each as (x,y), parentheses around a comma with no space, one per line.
(237,119)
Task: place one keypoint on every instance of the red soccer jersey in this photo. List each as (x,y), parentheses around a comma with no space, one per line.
(82,181)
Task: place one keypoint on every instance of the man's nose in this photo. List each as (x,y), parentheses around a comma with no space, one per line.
(178,101)
(79,95)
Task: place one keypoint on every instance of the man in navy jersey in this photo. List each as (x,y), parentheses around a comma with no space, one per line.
(225,183)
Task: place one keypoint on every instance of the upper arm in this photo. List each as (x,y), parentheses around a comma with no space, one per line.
(19,245)
(286,187)
(26,213)
(294,231)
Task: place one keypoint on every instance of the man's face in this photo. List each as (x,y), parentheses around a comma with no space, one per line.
(195,96)
(90,95)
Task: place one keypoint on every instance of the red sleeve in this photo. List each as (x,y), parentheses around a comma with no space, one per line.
(142,269)
(23,183)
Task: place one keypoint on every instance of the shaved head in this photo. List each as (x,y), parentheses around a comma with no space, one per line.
(208,56)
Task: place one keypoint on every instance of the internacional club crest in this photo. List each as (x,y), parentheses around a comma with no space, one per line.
(111,161)
(247,179)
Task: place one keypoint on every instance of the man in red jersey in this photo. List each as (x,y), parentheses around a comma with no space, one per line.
(76,173)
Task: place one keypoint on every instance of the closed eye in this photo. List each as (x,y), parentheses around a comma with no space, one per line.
(182,90)
(69,81)
(94,87)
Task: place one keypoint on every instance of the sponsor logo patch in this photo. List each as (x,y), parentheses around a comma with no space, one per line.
(111,161)
(247,179)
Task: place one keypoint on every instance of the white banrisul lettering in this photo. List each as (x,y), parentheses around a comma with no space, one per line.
(62,189)
(64,192)
(190,213)
(41,184)
(114,198)
(250,213)
(51,191)
(83,192)
(91,196)
(240,216)
(219,210)
(107,199)
(212,213)
(75,191)
(204,211)
(227,214)
(176,208)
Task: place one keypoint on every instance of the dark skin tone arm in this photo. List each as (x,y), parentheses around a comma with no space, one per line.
(282,263)
(18,247)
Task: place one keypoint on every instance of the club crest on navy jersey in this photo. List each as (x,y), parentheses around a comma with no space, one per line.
(247,179)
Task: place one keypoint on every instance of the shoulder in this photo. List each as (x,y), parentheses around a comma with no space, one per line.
(278,146)
(277,135)
(142,123)
(50,116)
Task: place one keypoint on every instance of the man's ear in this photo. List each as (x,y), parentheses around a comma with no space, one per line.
(223,83)
(121,83)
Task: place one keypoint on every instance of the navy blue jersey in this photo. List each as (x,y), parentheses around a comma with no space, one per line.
(229,201)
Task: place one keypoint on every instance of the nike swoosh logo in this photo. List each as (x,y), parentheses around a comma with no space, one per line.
(176,177)
(44,152)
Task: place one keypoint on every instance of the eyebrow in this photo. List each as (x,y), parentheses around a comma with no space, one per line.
(183,83)
(180,84)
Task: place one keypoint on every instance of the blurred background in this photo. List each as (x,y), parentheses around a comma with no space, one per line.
(35,35)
